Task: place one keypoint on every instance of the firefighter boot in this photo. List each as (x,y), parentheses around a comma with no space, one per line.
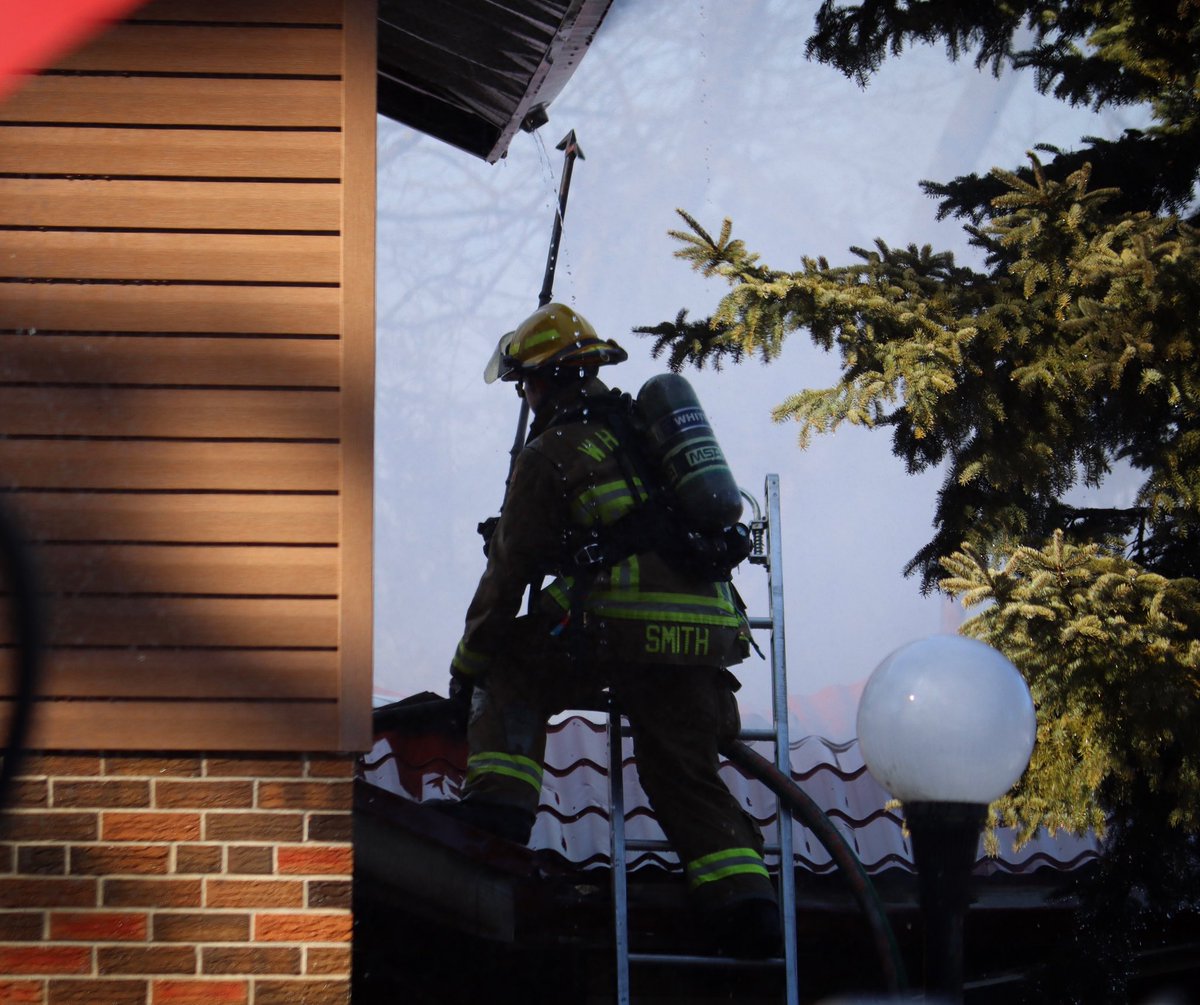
(509,822)
(747,929)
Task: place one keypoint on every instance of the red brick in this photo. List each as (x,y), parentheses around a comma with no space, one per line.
(258,860)
(332,927)
(61,765)
(253,826)
(22,992)
(249,960)
(333,961)
(224,795)
(149,960)
(29,793)
(316,860)
(98,926)
(203,858)
(151,892)
(119,860)
(330,827)
(45,960)
(100,794)
(337,766)
(48,892)
(253,893)
(8,857)
(335,795)
(153,767)
(93,991)
(302,992)
(47,825)
(150,827)
(21,926)
(329,894)
(254,766)
(200,992)
(42,860)
(203,926)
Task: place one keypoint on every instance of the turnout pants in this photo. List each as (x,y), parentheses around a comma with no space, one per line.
(679,717)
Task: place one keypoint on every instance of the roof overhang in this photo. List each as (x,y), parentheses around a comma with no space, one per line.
(473,72)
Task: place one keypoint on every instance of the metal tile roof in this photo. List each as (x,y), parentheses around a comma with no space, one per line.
(473,72)
(573,818)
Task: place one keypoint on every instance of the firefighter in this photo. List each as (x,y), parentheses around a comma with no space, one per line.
(657,639)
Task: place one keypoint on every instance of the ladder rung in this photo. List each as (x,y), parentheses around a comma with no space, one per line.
(656,844)
(778,736)
(648,844)
(759,734)
(745,734)
(704,961)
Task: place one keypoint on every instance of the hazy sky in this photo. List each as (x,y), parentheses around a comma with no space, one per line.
(710,107)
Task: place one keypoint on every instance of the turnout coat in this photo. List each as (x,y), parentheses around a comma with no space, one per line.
(570,480)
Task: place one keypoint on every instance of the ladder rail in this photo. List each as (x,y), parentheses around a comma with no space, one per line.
(778,734)
(787,859)
(616,836)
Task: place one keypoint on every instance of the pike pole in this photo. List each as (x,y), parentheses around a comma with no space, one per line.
(570,148)
(569,145)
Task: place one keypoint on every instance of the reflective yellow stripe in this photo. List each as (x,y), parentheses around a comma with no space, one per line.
(607,503)
(671,608)
(633,605)
(625,575)
(467,661)
(494,762)
(532,339)
(678,614)
(559,591)
(723,864)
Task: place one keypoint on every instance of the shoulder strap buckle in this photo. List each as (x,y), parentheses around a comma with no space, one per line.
(590,556)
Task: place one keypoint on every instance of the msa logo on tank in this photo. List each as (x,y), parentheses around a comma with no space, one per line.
(687,453)
(704,455)
(676,640)
(692,444)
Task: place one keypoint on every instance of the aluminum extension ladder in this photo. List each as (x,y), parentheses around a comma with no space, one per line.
(767,552)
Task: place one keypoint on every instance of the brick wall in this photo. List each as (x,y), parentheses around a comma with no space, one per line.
(173,880)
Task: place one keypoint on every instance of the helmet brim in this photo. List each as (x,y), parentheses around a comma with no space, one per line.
(592,352)
(582,352)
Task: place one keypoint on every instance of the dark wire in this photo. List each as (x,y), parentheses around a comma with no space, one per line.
(26,625)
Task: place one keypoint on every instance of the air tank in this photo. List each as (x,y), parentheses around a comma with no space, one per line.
(682,444)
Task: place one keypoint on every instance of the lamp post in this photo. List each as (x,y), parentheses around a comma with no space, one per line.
(945,724)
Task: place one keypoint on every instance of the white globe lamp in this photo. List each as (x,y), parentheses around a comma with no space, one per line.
(946,719)
(946,724)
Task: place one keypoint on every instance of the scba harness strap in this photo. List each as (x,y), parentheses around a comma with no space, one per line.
(653,526)
(654,523)
(642,520)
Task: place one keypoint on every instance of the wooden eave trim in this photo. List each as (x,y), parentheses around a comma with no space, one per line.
(358,373)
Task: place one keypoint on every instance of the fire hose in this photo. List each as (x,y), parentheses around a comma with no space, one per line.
(803,808)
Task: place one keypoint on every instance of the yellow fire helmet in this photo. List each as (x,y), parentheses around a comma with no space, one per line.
(552,336)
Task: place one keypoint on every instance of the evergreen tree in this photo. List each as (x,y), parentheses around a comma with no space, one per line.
(1070,348)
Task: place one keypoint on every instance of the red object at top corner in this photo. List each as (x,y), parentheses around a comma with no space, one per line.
(36,33)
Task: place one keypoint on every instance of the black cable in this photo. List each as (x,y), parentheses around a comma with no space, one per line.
(26,622)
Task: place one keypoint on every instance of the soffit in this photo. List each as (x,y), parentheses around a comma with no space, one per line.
(472,72)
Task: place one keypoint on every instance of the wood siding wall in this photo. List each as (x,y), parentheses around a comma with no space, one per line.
(186,375)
